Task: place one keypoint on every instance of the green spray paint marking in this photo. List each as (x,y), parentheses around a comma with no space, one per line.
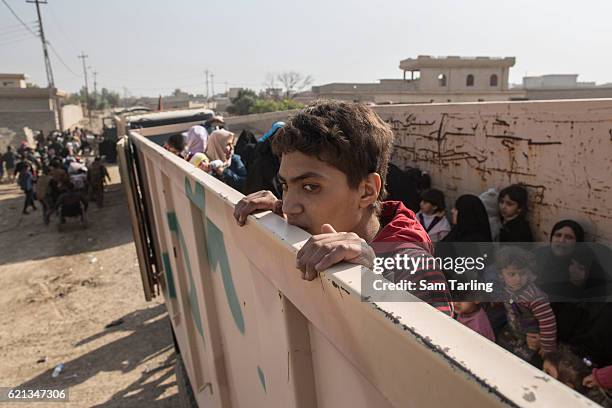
(217,255)
(262,378)
(193,297)
(169,277)
(198,197)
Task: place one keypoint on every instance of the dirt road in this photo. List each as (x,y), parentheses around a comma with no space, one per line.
(58,293)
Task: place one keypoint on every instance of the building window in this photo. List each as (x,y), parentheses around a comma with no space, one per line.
(442,80)
(493,80)
(469,80)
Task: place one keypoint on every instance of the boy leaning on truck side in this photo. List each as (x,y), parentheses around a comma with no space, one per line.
(334,159)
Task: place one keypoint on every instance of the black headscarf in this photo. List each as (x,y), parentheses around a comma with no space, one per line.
(472,221)
(552,269)
(577,228)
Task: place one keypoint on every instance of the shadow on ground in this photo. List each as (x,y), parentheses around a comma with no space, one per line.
(149,336)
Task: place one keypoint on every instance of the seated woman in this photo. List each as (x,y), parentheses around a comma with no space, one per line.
(469,231)
(553,260)
(470,221)
(224,164)
(566,268)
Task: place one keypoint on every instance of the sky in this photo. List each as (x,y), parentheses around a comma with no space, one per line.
(151,47)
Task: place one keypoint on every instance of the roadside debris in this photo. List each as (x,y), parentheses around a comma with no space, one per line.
(57,370)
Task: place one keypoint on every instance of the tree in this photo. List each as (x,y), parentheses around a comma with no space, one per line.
(242,103)
(97,101)
(293,81)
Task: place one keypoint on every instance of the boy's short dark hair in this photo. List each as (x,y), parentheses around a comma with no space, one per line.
(177,141)
(514,256)
(518,193)
(434,197)
(349,136)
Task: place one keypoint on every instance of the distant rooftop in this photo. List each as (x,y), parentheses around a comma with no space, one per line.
(428,61)
(558,81)
(12,76)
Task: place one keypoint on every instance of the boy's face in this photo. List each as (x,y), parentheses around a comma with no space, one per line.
(508,208)
(514,278)
(316,193)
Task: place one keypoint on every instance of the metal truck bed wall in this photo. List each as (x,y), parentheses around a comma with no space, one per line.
(561,150)
(254,334)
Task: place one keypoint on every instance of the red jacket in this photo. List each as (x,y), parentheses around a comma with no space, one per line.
(402,233)
(603,376)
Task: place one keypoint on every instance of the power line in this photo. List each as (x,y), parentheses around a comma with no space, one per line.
(51,82)
(18,18)
(61,60)
(16,29)
(82,57)
(59,26)
(10,26)
(48,68)
(15,41)
(6,37)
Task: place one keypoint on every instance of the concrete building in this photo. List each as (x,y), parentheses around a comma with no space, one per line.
(21,106)
(433,79)
(12,81)
(563,86)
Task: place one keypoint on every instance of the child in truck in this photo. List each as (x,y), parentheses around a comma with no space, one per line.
(432,214)
(471,314)
(513,213)
(334,158)
(527,308)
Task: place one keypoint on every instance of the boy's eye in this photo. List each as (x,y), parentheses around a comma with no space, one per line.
(310,187)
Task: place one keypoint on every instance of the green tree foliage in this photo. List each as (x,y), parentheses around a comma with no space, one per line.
(243,102)
(270,105)
(97,101)
(248,102)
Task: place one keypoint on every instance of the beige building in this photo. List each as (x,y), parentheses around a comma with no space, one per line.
(22,107)
(429,79)
(563,86)
(12,81)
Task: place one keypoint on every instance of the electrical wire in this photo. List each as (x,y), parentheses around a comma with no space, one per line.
(17,40)
(61,60)
(18,18)
(16,29)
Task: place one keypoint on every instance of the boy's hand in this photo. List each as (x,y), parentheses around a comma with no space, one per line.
(533,341)
(331,247)
(259,201)
(590,381)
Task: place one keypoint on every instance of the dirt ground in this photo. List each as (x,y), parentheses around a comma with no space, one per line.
(58,292)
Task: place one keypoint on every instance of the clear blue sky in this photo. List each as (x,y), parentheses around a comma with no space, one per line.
(154,46)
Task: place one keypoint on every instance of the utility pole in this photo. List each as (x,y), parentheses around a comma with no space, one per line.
(206,72)
(212,85)
(48,69)
(82,57)
(95,74)
(226,94)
